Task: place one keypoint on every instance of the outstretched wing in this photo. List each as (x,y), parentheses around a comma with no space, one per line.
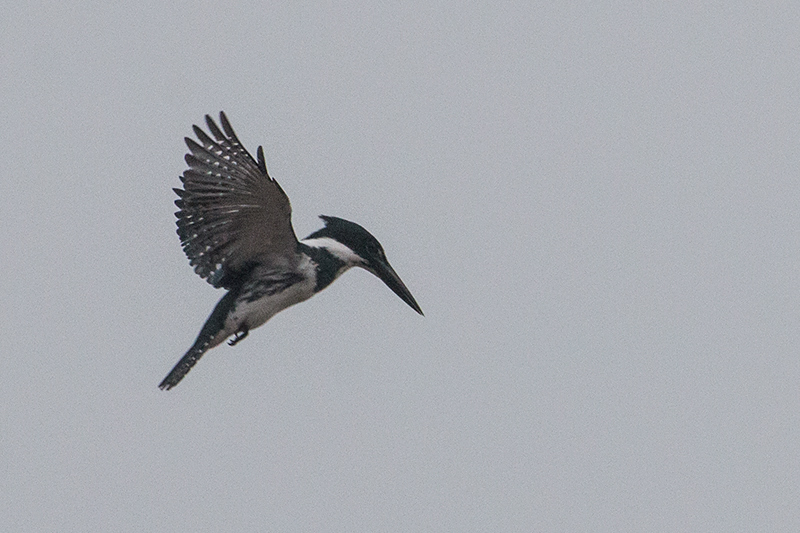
(232,213)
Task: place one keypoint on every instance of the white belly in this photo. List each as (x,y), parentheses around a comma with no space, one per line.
(256,313)
(247,315)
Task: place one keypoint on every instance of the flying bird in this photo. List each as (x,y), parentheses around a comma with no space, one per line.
(235,226)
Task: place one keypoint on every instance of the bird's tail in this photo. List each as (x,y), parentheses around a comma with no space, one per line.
(208,338)
(184,365)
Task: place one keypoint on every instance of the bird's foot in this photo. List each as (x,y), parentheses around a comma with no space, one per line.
(241,334)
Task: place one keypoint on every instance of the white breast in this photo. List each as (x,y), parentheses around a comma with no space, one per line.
(257,312)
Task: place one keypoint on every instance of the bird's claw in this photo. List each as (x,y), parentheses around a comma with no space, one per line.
(239,336)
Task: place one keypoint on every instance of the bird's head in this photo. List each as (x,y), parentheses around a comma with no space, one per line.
(363,250)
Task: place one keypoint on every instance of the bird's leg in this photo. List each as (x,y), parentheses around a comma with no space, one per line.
(241,334)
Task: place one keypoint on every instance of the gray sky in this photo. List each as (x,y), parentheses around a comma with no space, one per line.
(595,204)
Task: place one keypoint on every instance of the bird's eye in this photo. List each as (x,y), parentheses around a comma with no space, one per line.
(377,251)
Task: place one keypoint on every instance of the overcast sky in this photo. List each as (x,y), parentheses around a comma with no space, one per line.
(595,204)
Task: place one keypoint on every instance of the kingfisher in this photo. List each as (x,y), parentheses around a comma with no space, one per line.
(235,227)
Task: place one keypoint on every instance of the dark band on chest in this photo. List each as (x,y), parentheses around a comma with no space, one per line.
(268,285)
(328,265)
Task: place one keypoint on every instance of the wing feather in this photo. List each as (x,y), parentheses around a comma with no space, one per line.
(231,213)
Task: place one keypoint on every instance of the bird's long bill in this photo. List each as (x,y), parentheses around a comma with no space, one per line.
(393,281)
